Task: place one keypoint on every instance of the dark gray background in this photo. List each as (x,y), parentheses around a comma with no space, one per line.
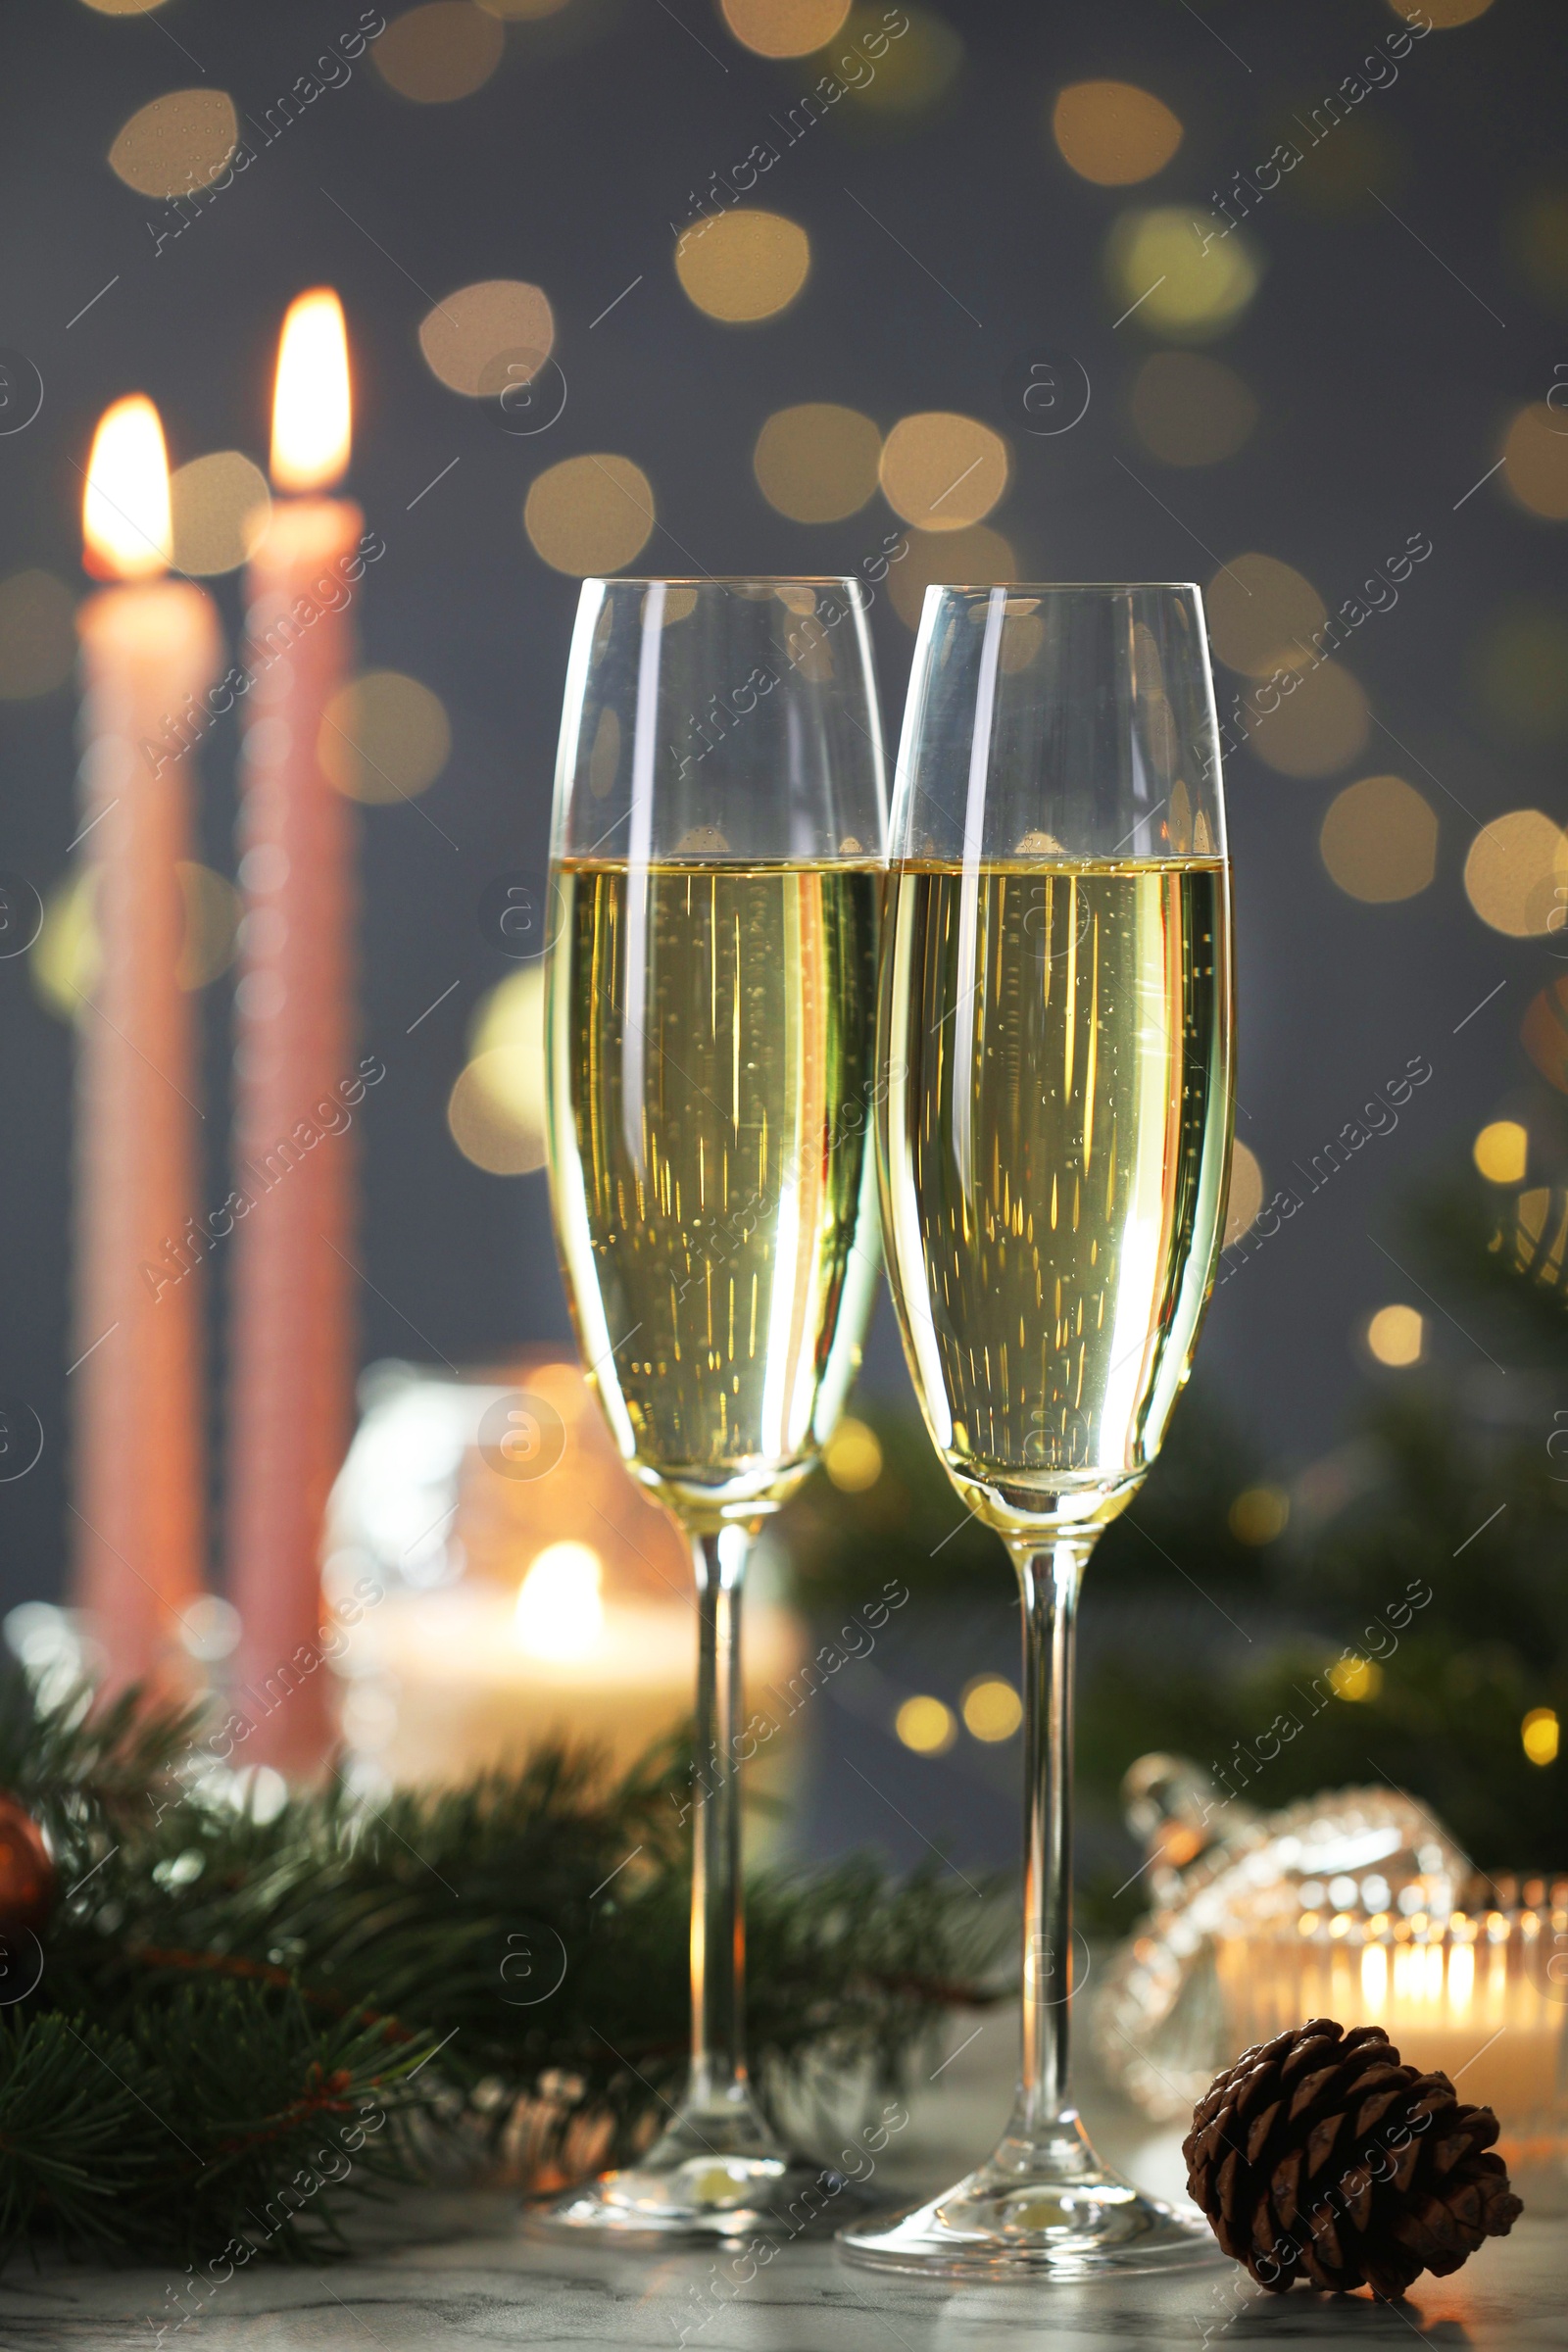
(1383,385)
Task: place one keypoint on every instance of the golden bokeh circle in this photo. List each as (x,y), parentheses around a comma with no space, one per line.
(853,1456)
(1178,272)
(1441,16)
(1534,461)
(1380,840)
(1543,1031)
(942,472)
(1520,669)
(1262,615)
(177,143)
(1541,1735)
(214,910)
(912,69)
(1246,1197)
(1501,1151)
(589,515)
(1260,1515)
(817,462)
(502,1111)
(1516,875)
(470,333)
(444,50)
(219,506)
(784,27)
(1113,132)
(926,1725)
(484,1130)
(123,7)
(37,635)
(743,266)
(1189,410)
(1396,1336)
(991,1708)
(1537,239)
(384,737)
(1321,724)
(975,557)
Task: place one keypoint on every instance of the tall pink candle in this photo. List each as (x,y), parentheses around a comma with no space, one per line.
(138,1517)
(293,1322)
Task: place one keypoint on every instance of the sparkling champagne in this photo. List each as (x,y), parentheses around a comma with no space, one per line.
(1057,1138)
(712,1104)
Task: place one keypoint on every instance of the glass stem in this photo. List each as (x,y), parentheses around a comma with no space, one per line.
(1051,1578)
(718,1922)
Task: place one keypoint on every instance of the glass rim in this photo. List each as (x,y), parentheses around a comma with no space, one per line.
(726,580)
(1064,587)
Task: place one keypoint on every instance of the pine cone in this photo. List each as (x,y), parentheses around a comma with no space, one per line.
(1320,2156)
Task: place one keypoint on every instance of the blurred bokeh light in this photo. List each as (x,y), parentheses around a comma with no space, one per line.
(219,506)
(1439,14)
(1396,1336)
(1520,671)
(37,635)
(1501,1151)
(853,1456)
(743,266)
(1112,133)
(991,1708)
(1517,872)
(1534,461)
(1322,724)
(1380,840)
(976,558)
(1260,1515)
(591,514)
(384,737)
(926,1725)
(1246,1193)
(1538,241)
(1188,409)
(943,471)
(817,462)
(473,337)
(1544,1032)
(784,27)
(213,912)
(910,75)
(177,144)
(481,1128)
(496,1110)
(1180,272)
(1262,615)
(447,49)
(66,958)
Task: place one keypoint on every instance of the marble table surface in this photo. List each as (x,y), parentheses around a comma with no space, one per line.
(451,2271)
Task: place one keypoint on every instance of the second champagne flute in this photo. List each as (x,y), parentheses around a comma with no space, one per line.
(1056,1031)
(716,888)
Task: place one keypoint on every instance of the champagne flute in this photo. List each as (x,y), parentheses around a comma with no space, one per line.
(1056,1024)
(717,873)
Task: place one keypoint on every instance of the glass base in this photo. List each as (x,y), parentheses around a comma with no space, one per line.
(722,2175)
(1038,2209)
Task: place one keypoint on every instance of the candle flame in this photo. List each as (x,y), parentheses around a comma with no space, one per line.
(559,1612)
(310,412)
(125,523)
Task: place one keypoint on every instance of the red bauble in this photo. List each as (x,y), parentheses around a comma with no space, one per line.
(27,1878)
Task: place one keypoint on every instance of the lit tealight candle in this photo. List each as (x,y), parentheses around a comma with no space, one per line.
(471,1679)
